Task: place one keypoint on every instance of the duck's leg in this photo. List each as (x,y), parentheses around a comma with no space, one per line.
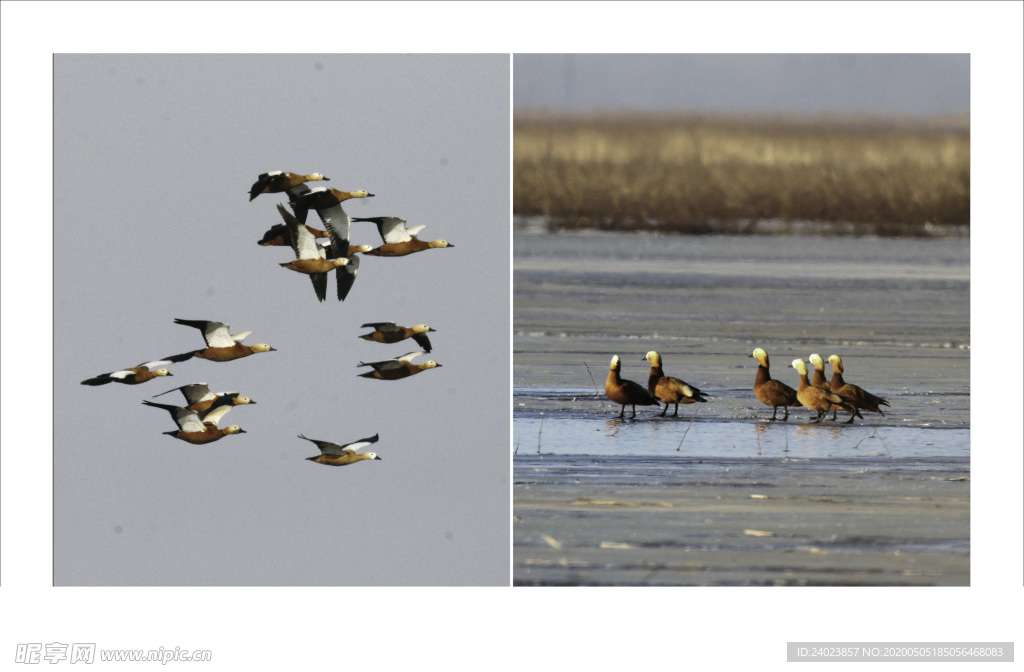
(675,412)
(634,410)
(622,413)
(786,416)
(665,411)
(853,410)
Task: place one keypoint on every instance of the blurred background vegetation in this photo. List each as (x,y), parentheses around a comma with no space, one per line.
(697,174)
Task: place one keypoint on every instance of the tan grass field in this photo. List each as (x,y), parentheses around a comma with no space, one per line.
(694,174)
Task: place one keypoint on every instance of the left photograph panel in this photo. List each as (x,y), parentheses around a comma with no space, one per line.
(281,320)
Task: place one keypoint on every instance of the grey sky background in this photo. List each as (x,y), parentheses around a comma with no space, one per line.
(154,156)
(886,84)
(121,244)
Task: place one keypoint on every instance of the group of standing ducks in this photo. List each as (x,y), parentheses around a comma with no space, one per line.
(817,394)
(197,421)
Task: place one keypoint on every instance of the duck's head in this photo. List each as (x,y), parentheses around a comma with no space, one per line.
(358,193)
(837,364)
(654,358)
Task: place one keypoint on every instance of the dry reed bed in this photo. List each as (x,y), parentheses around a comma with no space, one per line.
(696,175)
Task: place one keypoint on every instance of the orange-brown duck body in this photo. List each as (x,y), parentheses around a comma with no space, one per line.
(194,429)
(131,376)
(772,392)
(626,392)
(334,455)
(819,399)
(389,332)
(398,368)
(861,398)
(222,346)
(670,390)
(278,181)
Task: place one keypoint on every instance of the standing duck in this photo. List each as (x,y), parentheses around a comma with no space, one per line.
(668,389)
(626,392)
(818,377)
(819,399)
(772,392)
(860,397)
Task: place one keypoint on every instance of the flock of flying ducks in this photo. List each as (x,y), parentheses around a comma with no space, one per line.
(198,420)
(818,394)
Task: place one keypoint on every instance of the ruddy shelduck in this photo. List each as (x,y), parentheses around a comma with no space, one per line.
(133,376)
(400,367)
(279,236)
(626,392)
(279,180)
(861,398)
(819,399)
(198,397)
(312,260)
(399,239)
(221,345)
(338,456)
(327,203)
(669,390)
(196,428)
(389,332)
(771,392)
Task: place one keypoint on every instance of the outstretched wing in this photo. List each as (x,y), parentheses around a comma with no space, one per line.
(351,448)
(326,447)
(347,276)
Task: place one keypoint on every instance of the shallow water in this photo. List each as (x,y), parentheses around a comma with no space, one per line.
(671,520)
(720,495)
(897,311)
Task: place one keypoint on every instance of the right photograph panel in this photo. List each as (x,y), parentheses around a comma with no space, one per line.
(741,326)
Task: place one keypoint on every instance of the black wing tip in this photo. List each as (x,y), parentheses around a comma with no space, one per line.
(423,341)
